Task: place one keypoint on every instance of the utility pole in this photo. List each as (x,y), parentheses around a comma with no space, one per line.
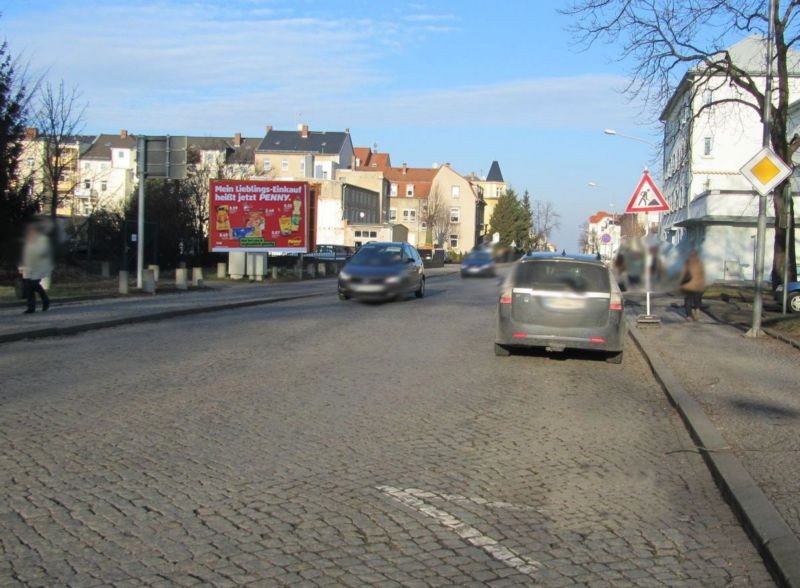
(761,234)
(142,165)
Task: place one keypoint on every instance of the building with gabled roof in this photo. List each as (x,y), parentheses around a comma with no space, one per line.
(304,153)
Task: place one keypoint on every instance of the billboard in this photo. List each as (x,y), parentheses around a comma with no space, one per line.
(258,216)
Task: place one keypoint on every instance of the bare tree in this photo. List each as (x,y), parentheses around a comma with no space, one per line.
(436,215)
(665,38)
(59,117)
(545,221)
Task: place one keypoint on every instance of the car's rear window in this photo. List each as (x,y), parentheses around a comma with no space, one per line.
(562,275)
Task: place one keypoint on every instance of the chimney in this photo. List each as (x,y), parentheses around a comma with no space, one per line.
(123,134)
(31,133)
(237,140)
(347,130)
(269,128)
(405,168)
(303,128)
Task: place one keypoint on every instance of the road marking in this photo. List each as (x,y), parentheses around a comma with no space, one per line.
(423,494)
(409,497)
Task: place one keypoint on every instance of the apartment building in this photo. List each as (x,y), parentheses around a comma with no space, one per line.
(706,143)
(107,172)
(489,189)
(303,154)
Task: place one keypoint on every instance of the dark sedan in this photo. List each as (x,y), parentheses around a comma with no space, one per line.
(477,263)
(560,302)
(383,271)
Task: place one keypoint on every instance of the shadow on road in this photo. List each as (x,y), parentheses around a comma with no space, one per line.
(769,409)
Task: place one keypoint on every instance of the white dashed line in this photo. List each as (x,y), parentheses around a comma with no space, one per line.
(411,498)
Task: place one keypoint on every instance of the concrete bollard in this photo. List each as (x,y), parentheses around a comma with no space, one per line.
(275,272)
(105,269)
(236,265)
(321,269)
(156,271)
(197,277)
(149,281)
(182,278)
(222,269)
(123,282)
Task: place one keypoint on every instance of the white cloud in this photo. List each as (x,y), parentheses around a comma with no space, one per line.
(206,68)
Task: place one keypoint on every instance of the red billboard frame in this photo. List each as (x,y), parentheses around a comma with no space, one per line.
(264,216)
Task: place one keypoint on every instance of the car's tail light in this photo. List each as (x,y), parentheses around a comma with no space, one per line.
(506,296)
(519,335)
(597,340)
(615,303)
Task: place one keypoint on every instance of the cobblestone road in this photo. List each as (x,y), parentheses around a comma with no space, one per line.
(326,443)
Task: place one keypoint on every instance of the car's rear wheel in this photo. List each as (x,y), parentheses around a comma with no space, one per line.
(343,296)
(420,292)
(794,302)
(614,358)
(501,351)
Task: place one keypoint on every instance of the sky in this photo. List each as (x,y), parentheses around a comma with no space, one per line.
(457,81)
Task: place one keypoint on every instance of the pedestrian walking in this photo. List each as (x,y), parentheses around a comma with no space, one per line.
(693,284)
(36,264)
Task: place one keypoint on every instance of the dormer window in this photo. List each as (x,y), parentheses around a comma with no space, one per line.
(409,190)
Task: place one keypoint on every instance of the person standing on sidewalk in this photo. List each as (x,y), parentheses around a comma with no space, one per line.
(36,265)
(693,283)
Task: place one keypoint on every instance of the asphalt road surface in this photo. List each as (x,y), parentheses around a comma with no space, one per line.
(319,442)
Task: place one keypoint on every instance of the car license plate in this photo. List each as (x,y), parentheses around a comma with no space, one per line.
(564,303)
(474,270)
(368,288)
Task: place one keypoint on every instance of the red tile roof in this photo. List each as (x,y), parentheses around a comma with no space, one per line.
(371,160)
(420,177)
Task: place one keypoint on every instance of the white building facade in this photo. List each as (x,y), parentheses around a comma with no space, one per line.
(712,206)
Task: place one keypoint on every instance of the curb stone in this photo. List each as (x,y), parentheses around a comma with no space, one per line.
(770,534)
(158,316)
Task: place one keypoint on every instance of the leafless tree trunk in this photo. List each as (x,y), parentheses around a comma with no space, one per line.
(545,221)
(59,117)
(664,38)
(437,217)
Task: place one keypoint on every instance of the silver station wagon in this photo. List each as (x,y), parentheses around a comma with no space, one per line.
(559,302)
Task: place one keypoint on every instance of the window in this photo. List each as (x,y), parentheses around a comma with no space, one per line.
(103,185)
(267,165)
(303,166)
(454,241)
(31,162)
(707,146)
(409,190)
(455,215)
(392,214)
(120,154)
(373,234)
(357,233)
(455,191)
(209,156)
(87,184)
(423,224)
(285,165)
(393,190)
(410,214)
(104,165)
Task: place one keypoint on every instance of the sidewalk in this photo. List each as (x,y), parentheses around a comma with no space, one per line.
(73,317)
(749,390)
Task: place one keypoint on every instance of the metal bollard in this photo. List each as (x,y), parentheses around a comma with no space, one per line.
(123,282)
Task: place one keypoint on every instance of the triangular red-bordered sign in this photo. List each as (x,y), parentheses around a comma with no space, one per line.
(647,197)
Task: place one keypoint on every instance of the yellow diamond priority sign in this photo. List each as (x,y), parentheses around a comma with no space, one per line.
(765,171)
